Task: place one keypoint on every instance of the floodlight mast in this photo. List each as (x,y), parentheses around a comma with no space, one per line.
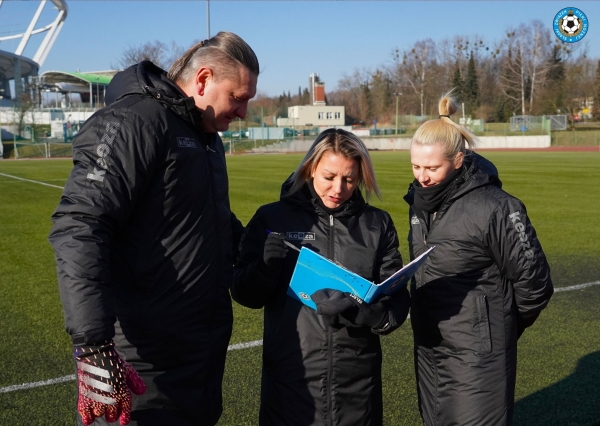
(208,19)
(397,94)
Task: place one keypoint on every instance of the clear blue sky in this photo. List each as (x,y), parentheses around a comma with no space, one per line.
(291,38)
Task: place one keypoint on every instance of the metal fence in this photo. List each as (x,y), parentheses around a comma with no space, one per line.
(545,123)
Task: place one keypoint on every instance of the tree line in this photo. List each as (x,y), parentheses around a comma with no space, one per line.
(527,72)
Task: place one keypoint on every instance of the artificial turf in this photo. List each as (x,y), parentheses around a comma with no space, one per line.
(559,357)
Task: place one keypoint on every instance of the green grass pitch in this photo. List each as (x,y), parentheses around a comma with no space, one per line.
(558,373)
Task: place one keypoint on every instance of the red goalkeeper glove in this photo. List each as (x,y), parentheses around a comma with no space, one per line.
(105,383)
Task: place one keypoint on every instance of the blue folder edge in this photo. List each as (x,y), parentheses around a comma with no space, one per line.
(314,272)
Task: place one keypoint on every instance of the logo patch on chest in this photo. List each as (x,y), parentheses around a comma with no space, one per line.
(414,220)
(300,236)
(186,143)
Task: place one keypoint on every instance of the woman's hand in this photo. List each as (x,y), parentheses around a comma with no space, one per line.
(275,250)
(347,309)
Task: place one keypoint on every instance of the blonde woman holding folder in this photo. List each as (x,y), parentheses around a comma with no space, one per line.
(322,367)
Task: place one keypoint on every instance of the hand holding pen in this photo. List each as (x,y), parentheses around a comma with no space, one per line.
(275,250)
(286,242)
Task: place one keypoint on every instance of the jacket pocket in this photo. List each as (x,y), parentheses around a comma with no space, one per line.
(483,326)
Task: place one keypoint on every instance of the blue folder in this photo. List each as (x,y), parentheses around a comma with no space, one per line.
(314,272)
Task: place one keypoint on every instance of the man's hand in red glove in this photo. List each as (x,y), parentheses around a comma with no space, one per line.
(104,381)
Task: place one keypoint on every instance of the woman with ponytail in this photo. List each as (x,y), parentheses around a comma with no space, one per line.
(485,282)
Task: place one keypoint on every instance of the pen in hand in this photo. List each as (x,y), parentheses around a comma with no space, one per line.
(287,243)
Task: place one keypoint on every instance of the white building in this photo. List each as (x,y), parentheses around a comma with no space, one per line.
(318,113)
(313,116)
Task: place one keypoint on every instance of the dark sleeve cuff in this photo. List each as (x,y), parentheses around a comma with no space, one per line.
(384,328)
(93,336)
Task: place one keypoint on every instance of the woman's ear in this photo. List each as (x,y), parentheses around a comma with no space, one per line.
(458,160)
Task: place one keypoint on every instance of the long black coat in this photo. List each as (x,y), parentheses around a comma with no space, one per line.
(486,280)
(315,374)
(143,234)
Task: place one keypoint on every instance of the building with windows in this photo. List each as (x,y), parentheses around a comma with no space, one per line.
(318,113)
(313,116)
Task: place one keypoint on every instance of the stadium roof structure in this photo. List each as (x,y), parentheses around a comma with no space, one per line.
(27,66)
(86,84)
(51,31)
(15,66)
(76,79)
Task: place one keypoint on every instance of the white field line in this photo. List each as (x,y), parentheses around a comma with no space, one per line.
(37,384)
(70,377)
(234,347)
(576,287)
(32,181)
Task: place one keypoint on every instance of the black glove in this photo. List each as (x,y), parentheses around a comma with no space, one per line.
(349,310)
(275,250)
(399,305)
(374,315)
(330,303)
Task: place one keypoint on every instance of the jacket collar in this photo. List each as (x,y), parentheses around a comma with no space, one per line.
(148,79)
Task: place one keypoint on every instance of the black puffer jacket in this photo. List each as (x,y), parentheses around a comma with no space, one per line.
(314,374)
(486,280)
(143,235)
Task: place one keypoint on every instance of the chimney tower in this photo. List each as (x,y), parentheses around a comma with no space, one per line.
(316,89)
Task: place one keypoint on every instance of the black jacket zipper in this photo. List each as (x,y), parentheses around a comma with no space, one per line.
(330,334)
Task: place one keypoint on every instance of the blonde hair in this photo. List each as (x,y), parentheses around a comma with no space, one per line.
(443,131)
(224,53)
(338,142)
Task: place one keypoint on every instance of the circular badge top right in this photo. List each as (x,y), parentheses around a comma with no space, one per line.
(570,24)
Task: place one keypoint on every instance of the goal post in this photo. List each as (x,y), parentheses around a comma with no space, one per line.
(47,149)
(59,149)
(24,149)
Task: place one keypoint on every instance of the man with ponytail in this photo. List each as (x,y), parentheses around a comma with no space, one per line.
(145,239)
(483,285)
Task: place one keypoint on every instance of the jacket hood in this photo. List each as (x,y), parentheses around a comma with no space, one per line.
(304,199)
(479,172)
(147,79)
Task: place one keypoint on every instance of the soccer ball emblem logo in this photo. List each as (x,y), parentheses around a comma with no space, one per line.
(570,24)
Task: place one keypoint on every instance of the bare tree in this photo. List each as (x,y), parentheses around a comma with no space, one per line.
(525,63)
(579,80)
(414,68)
(24,107)
(512,79)
(157,52)
(381,94)
(457,51)
(525,72)
(596,92)
(539,53)
(350,93)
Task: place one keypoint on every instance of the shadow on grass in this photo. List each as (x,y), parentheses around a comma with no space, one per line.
(574,401)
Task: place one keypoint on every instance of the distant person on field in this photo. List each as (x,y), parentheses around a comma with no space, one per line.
(486,281)
(144,239)
(322,367)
